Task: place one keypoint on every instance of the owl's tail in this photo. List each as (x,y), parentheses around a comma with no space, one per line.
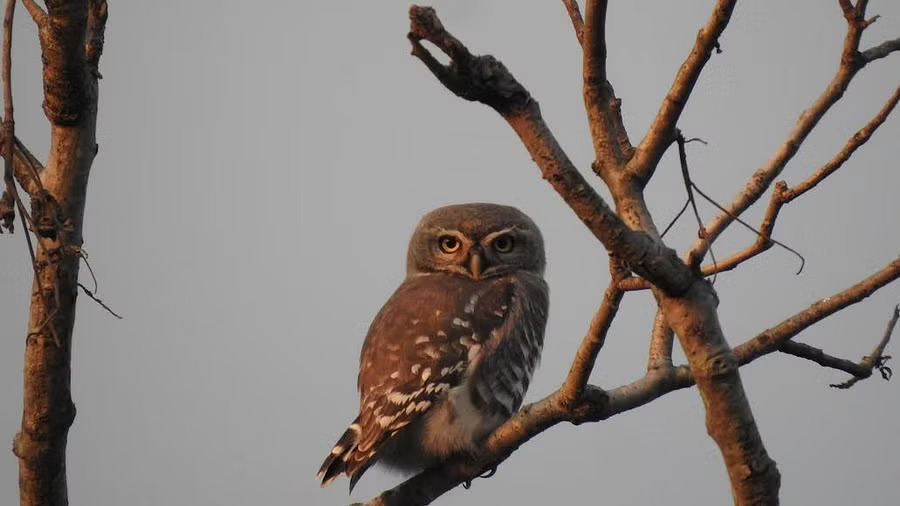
(337,461)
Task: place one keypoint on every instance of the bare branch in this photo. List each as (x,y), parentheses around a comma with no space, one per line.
(661,340)
(531,420)
(818,356)
(611,144)
(876,359)
(597,405)
(851,63)
(773,338)
(857,140)
(484,79)
(97,300)
(10,198)
(662,130)
(575,16)
(26,167)
(881,50)
(36,12)
(782,195)
(583,364)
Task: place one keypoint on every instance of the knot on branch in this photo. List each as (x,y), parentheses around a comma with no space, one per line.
(590,407)
(46,214)
(475,78)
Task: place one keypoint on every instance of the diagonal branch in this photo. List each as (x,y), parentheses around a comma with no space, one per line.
(773,338)
(597,404)
(575,16)
(580,371)
(484,79)
(662,130)
(818,356)
(881,50)
(859,371)
(877,358)
(851,63)
(26,167)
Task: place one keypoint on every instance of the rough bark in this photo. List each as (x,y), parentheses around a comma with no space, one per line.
(71,34)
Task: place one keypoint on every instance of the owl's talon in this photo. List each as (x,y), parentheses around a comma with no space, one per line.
(467,484)
(492,471)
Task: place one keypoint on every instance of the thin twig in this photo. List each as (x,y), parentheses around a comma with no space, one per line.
(759,182)
(876,359)
(98,301)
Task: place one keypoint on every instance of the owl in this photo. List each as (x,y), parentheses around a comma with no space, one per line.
(450,355)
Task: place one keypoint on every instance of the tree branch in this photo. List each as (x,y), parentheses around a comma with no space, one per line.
(876,359)
(661,341)
(70,104)
(575,16)
(851,63)
(26,167)
(782,195)
(37,13)
(881,50)
(484,79)
(773,338)
(662,131)
(580,371)
(611,145)
(597,405)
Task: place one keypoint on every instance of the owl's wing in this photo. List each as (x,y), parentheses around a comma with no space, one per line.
(512,350)
(415,352)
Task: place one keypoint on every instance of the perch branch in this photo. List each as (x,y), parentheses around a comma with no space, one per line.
(484,79)
(662,130)
(597,404)
(851,63)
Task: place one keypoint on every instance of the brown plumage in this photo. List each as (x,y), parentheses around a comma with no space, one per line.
(450,355)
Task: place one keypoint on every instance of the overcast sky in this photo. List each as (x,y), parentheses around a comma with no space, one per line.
(262,166)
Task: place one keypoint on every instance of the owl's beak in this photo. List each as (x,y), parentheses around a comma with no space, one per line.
(475,264)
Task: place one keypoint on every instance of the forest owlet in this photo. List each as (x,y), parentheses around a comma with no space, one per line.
(450,355)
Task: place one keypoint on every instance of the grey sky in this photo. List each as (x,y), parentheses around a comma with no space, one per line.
(261,168)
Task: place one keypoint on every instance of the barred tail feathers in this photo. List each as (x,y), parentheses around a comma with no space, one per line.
(336,462)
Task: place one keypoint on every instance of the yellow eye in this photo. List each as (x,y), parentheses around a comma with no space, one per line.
(448,244)
(504,244)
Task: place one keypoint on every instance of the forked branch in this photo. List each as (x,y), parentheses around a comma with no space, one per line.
(484,79)
(852,61)
(662,130)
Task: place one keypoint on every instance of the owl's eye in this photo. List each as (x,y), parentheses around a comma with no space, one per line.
(448,244)
(504,244)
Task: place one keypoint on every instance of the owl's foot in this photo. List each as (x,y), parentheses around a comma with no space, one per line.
(490,472)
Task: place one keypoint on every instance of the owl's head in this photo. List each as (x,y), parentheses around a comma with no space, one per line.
(477,241)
